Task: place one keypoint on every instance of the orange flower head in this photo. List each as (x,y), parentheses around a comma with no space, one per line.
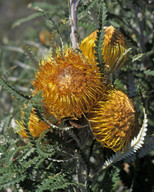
(35,126)
(114,46)
(70,84)
(114,120)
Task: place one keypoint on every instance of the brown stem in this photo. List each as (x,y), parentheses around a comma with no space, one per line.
(73,21)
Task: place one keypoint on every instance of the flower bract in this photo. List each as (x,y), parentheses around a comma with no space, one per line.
(35,125)
(114,120)
(114,46)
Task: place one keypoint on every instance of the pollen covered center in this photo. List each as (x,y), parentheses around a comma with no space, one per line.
(70,79)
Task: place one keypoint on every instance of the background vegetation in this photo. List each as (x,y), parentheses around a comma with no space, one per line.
(70,158)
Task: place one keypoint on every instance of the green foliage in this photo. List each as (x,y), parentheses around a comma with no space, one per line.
(21,21)
(26,121)
(118,83)
(115,178)
(23,98)
(24,163)
(47,16)
(141,55)
(100,37)
(149,72)
(30,55)
(54,182)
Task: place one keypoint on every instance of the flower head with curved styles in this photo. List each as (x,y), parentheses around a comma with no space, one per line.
(35,126)
(70,84)
(114,46)
(114,120)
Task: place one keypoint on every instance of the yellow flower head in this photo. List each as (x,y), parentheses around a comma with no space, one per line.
(70,84)
(114,120)
(114,46)
(35,126)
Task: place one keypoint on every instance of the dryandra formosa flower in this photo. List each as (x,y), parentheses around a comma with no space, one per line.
(114,46)
(114,120)
(70,84)
(35,126)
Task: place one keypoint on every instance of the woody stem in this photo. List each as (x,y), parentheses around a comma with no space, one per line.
(73,21)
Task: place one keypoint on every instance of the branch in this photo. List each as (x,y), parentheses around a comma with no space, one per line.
(73,21)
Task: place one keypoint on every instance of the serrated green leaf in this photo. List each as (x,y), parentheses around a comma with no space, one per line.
(92,4)
(12,181)
(41,5)
(137,57)
(55,182)
(118,83)
(30,55)
(50,19)
(149,72)
(100,37)
(27,114)
(23,20)
(37,99)
(23,98)
(140,55)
